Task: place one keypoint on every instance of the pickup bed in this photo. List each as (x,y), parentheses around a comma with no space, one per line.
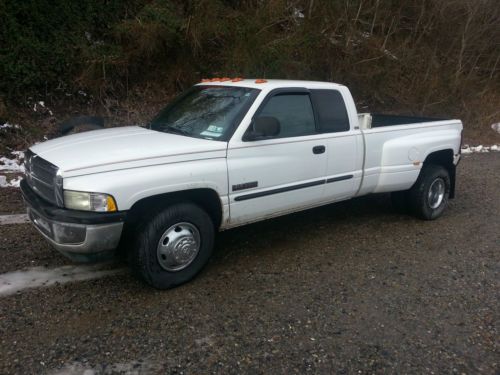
(226,153)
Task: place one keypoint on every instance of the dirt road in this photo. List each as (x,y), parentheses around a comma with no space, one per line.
(348,288)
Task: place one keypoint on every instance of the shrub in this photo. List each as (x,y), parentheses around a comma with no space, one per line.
(438,57)
(41,41)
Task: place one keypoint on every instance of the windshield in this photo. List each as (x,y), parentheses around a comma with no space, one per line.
(209,112)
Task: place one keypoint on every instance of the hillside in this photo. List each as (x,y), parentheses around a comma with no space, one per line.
(125,59)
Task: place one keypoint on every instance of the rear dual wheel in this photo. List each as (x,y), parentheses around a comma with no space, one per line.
(428,197)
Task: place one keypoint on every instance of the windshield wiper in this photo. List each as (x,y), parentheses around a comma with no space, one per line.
(172,129)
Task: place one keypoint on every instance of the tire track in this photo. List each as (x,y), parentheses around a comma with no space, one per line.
(37,277)
(14,219)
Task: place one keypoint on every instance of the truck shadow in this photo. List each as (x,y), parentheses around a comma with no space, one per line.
(336,218)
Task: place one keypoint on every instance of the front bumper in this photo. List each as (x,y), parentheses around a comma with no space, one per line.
(80,235)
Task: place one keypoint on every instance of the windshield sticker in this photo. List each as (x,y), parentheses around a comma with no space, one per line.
(213,131)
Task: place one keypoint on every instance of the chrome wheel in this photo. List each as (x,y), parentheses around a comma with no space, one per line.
(178,246)
(436,193)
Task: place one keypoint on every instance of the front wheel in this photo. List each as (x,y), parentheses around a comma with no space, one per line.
(173,246)
(428,198)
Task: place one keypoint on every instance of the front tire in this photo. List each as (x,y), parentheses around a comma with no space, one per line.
(428,198)
(173,246)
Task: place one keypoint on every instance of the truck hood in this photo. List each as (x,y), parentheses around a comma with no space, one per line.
(125,147)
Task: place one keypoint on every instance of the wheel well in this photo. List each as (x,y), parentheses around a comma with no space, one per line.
(444,158)
(207,199)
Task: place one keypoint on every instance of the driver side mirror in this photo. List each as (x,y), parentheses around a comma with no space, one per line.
(262,127)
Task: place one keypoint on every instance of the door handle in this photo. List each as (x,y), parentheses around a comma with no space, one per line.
(319,149)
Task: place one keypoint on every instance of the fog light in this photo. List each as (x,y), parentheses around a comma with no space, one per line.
(68,233)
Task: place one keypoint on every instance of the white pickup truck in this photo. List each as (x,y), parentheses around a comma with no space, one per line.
(229,152)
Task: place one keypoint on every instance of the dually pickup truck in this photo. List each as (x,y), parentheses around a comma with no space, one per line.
(229,152)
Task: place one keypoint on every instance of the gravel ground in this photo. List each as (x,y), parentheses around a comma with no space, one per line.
(11,201)
(347,288)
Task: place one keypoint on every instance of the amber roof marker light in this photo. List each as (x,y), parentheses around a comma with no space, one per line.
(228,79)
(260,80)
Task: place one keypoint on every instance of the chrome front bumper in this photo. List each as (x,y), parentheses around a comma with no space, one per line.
(77,238)
(81,236)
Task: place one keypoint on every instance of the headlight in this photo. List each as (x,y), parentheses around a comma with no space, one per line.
(79,200)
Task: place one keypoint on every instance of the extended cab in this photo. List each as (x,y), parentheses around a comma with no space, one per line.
(223,154)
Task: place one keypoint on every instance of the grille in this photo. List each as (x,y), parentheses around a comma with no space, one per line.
(42,178)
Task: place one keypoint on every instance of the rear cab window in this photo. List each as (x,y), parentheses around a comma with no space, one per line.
(331,111)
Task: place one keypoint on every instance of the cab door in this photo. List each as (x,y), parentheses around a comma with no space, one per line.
(281,173)
(343,142)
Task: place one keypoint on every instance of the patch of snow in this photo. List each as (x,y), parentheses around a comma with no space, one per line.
(479,149)
(13,219)
(297,13)
(37,277)
(13,165)
(9,126)
(18,154)
(41,103)
(15,182)
(496,127)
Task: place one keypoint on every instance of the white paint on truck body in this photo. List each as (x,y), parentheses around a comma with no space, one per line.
(133,163)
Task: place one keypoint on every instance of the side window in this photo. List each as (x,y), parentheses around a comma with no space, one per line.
(332,113)
(294,112)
